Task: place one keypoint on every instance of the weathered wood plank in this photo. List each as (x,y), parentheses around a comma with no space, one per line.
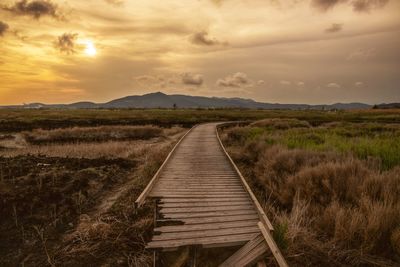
(176,195)
(204,204)
(229,240)
(206,233)
(230,218)
(200,199)
(204,209)
(274,248)
(208,226)
(208,214)
(248,254)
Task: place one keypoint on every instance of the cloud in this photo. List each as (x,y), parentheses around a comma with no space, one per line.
(362,54)
(35,8)
(368,5)
(192,79)
(286,83)
(324,5)
(335,27)
(217,2)
(359,84)
(300,84)
(66,43)
(333,85)
(145,78)
(202,38)
(238,79)
(3,28)
(357,5)
(115,2)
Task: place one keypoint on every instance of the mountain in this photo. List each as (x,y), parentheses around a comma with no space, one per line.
(161,100)
(388,106)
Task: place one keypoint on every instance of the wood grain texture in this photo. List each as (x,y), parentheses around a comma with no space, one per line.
(202,200)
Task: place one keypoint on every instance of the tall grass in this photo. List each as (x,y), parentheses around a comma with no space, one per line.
(92,134)
(363,140)
(333,190)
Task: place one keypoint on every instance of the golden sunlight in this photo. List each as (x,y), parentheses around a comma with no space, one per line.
(90,49)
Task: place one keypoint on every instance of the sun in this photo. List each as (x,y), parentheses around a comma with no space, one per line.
(90,49)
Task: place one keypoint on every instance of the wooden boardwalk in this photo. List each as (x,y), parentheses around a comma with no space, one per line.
(202,199)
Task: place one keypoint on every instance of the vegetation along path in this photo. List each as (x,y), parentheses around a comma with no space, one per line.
(203,201)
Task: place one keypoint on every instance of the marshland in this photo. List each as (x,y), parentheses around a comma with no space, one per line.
(328,180)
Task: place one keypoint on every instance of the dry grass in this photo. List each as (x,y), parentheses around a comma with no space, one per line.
(329,209)
(92,134)
(282,124)
(16,145)
(111,149)
(79,197)
(116,237)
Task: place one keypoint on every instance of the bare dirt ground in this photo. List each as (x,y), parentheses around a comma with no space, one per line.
(71,203)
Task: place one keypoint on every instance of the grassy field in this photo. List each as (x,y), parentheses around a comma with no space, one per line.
(332,189)
(68,179)
(15,120)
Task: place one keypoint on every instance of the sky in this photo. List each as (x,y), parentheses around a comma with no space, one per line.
(278,51)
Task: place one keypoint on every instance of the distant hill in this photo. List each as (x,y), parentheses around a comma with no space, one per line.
(388,106)
(161,100)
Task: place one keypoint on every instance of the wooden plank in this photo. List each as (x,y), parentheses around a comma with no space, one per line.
(208,226)
(254,255)
(198,191)
(206,233)
(248,254)
(140,200)
(176,195)
(213,179)
(207,214)
(204,204)
(192,183)
(201,182)
(272,245)
(204,209)
(230,218)
(199,199)
(197,186)
(229,240)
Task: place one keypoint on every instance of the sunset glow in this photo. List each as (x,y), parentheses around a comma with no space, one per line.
(285,51)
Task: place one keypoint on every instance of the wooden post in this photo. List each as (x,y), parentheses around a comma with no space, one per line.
(272,245)
(192,256)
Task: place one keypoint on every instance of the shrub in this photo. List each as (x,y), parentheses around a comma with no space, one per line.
(334,208)
(281,124)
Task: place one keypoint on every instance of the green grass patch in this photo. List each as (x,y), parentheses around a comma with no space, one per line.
(280,235)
